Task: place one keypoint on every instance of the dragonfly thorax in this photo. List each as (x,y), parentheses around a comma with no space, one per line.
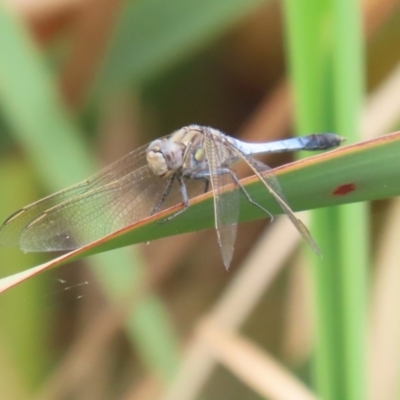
(164,156)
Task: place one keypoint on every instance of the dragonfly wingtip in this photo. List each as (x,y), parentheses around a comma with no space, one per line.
(227,263)
(318,252)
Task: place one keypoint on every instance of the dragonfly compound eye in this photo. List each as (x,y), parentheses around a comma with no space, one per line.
(156,159)
(164,156)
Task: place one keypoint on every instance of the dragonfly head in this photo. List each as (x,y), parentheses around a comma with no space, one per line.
(164,156)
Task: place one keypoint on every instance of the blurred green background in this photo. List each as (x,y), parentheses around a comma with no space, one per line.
(83,82)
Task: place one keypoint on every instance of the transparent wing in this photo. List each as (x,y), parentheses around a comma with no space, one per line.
(267,177)
(119,195)
(226,203)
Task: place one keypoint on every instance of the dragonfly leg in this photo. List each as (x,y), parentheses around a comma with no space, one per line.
(206,175)
(165,195)
(207,185)
(248,195)
(205,180)
(185,199)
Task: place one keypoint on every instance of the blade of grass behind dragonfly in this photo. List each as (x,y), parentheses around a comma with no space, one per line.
(32,107)
(325,56)
(153,35)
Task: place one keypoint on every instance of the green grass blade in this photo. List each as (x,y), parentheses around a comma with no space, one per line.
(363,171)
(25,331)
(152,35)
(354,244)
(324,42)
(32,107)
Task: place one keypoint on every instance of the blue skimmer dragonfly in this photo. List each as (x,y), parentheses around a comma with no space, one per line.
(168,171)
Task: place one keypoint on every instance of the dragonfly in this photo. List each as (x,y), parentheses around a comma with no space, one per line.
(168,171)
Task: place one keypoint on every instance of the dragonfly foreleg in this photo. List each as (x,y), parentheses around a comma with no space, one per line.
(185,199)
(165,195)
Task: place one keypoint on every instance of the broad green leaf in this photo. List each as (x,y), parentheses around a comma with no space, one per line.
(360,172)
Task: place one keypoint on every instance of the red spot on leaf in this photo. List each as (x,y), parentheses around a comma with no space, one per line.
(344,189)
